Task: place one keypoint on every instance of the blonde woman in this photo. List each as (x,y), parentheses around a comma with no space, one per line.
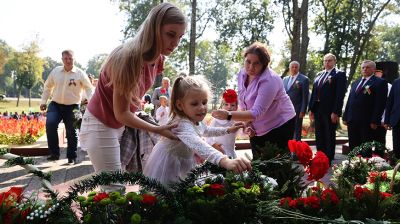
(127,74)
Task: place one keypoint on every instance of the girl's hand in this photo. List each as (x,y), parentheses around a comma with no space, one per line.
(250,131)
(165,130)
(235,127)
(237,165)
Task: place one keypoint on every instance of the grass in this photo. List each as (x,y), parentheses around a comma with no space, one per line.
(11,105)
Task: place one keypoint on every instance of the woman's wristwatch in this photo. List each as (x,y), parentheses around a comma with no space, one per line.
(229,116)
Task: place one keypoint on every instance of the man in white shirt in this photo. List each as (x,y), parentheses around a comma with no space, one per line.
(65,85)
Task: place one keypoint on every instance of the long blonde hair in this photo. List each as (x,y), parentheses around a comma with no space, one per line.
(124,64)
(182,86)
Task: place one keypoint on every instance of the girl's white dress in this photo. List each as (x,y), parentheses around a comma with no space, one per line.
(227,141)
(162,114)
(171,160)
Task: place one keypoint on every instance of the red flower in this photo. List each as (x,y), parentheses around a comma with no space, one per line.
(163,91)
(330,195)
(149,199)
(284,202)
(313,202)
(100,196)
(216,190)
(375,174)
(230,96)
(385,195)
(318,167)
(302,151)
(292,144)
(12,195)
(247,186)
(293,203)
(360,192)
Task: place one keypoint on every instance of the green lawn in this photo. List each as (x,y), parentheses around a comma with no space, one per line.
(11,105)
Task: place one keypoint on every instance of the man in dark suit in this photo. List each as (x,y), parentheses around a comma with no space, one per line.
(392,116)
(326,104)
(296,86)
(365,106)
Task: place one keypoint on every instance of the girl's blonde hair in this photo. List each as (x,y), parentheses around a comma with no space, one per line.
(124,64)
(182,86)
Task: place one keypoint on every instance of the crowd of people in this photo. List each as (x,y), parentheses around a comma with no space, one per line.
(30,115)
(266,107)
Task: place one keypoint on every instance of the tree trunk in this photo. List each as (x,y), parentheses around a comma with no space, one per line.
(29,95)
(18,95)
(295,51)
(192,44)
(304,37)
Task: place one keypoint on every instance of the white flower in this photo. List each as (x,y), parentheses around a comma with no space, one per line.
(148,107)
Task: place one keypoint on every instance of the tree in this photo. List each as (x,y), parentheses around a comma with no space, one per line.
(5,76)
(28,68)
(389,40)
(296,25)
(242,22)
(136,12)
(95,63)
(48,65)
(347,27)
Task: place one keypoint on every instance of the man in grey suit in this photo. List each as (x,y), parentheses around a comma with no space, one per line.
(163,90)
(296,86)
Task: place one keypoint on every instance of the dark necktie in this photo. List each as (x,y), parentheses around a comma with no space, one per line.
(359,87)
(320,84)
(322,80)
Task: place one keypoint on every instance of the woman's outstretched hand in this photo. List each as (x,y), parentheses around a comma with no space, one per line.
(220,114)
(237,165)
(165,130)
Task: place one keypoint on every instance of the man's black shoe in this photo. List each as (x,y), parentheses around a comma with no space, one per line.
(72,161)
(53,158)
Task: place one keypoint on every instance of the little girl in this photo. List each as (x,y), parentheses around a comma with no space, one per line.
(225,143)
(162,113)
(171,160)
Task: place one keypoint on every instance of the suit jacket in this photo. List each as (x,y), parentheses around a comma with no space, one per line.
(155,99)
(331,93)
(392,114)
(368,104)
(298,92)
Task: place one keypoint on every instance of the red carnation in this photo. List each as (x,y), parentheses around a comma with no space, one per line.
(375,174)
(163,91)
(318,167)
(313,202)
(360,192)
(385,195)
(216,190)
(330,195)
(284,202)
(149,199)
(229,96)
(292,144)
(100,196)
(293,203)
(303,153)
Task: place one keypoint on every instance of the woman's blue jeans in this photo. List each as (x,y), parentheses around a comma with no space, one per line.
(55,113)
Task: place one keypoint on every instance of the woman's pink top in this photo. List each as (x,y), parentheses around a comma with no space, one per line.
(101,104)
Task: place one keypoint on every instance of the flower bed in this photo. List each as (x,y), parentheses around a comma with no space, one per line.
(23,131)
